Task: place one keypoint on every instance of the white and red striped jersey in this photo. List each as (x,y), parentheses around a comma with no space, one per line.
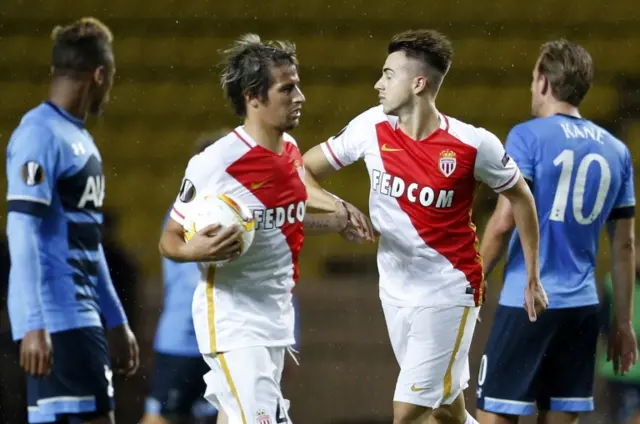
(247,302)
(420,202)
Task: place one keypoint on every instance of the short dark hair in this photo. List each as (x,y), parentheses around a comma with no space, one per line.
(81,46)
(247,68)
(428,46)
(569,69)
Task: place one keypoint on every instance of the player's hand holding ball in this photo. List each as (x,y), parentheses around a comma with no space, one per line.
(535,299)
(219,230)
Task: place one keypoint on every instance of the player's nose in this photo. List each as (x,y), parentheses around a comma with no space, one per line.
(378,85)
(300,98)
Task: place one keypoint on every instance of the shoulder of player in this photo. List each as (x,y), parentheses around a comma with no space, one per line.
(618,144)
(219,155)
(530,127)
(371,117)
(33,133)
(217,151)
(376,115)
(467,133)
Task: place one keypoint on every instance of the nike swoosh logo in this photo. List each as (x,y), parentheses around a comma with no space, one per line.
(255,186)
(385,148)
(418,389)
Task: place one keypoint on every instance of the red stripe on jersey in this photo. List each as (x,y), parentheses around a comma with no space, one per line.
(508,182)
(333,155)
(178,213)
(242,139)
(448,229)
(275,181)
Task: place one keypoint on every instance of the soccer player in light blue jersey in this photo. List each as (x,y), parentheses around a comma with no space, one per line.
(60,288)
(582,180)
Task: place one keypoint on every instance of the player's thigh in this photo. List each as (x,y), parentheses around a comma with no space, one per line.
(222,418)
(435,368)
(80,383)
(510,366)
(454,413)
(176,387)
(398,327)
(567,371)
(244,383)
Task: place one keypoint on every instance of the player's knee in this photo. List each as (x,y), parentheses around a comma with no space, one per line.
(484,417)
(222,418)
(449,416)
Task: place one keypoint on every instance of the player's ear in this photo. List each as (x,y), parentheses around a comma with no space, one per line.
(420,84)
(545,85)
(100,75)
(251,102)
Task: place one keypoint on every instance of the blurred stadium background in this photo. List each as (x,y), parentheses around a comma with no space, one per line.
(167,94)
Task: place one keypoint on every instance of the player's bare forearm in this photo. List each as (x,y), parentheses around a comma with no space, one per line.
(317,167)
(323,223)
(318,198)
(621,236)
(526,220)
(172,242)
(496,235)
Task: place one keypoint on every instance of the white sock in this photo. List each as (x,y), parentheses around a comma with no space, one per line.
(470,419)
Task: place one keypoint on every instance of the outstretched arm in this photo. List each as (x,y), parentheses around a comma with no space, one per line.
(317,166)
(324,223)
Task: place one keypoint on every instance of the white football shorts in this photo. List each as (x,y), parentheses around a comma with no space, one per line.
(431,345)
(245,384)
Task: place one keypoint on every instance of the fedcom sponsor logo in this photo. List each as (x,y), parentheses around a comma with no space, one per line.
(396,187)
(268,219)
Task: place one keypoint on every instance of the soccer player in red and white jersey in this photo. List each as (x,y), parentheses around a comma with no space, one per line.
(242,311)
(424,168)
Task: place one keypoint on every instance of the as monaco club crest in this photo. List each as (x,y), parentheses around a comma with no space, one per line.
(447,162)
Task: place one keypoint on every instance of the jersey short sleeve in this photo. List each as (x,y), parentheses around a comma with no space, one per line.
(197,177)
(520,148)
(347,146)
(493,166)
(626,197)
(32,168)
